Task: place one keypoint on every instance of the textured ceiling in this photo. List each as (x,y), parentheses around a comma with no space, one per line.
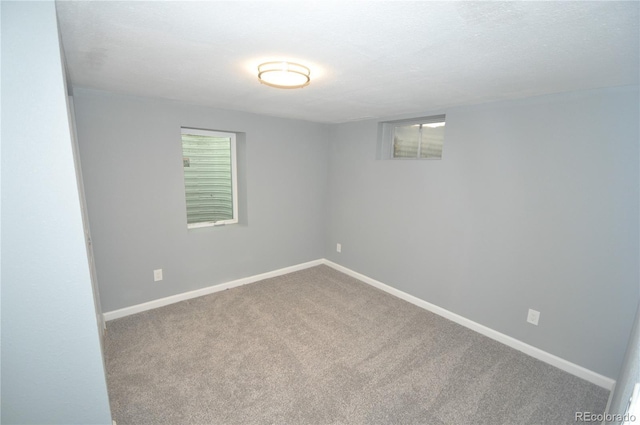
(367,59)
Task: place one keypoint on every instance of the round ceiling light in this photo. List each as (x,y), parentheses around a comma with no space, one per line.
(284,75)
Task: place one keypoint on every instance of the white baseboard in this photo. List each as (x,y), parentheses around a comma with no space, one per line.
(567,366)
(138,308)
(606,409)
(562,364)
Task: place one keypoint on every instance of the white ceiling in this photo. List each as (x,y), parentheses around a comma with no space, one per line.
(367,59)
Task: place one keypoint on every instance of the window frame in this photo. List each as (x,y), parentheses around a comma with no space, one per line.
(387,134)
(234,174)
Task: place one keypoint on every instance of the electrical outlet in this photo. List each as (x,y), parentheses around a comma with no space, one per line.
(339,247)
(533,317)
(157,275)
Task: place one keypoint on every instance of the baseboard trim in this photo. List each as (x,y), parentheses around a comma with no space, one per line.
(560,363)
(138,308)
(606,409)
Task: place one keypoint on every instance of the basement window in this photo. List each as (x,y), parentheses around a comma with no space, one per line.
(418,138)
(210,177)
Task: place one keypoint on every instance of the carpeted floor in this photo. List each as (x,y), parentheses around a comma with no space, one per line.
(319,347)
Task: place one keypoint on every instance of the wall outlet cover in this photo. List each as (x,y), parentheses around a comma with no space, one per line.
(157,275)
(533,317)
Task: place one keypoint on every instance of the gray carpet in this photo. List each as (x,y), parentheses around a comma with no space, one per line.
(319,347)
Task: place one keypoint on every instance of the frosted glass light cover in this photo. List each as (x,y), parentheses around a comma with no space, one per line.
(284,75)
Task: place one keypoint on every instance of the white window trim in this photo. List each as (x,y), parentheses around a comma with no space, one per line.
(234,175)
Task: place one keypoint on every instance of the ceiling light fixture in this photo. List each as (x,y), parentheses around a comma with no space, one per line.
(284,75)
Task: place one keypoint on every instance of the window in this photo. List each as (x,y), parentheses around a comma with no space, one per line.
(419,138)
(210,177)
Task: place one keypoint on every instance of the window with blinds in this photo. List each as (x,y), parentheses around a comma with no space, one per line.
(419,138)
(209,163)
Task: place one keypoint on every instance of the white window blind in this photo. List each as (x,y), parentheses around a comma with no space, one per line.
(209,177)
(416,138)
(422,140)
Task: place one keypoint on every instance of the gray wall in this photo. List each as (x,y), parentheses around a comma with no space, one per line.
(534,205)
(52,368)
(132,164)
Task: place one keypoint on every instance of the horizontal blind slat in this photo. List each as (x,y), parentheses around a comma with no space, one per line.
(207,175)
